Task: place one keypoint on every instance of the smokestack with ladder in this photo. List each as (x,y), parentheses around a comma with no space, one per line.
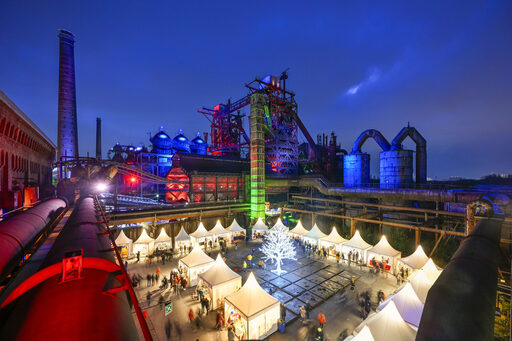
(98,138)
(68,131)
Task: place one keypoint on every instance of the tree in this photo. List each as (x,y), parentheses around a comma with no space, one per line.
(278,246)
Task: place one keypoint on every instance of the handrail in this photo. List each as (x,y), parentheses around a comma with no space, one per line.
(138,311)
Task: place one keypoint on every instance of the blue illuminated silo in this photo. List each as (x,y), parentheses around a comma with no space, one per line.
(118,153)
(396,168)
(181,144)
(162,143)
(198,146)
(356,170)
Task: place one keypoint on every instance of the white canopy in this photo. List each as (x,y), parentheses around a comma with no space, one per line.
(144,238)
(407,303)
(364,335)
(251,299)
(235,227)
(218,229)
(182,236)
(421,284)
(260,226)
(384,248)
(299,229)
(163,237)
(315,233)
(333,237)
(219,273)
(416,260)
(357,242)
(201,232)
(196,257)
(387,325)
(431,270)
(278,223)
(122,239)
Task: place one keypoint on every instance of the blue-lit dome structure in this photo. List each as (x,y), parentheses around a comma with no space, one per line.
(181,144)
(162,143)
(198,146)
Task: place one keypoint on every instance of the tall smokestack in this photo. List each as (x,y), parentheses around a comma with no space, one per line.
(98,138)
(68,132)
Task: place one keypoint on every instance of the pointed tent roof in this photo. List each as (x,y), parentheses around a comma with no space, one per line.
(364,335)
(182,236)
(357,242)
(416,260)
(251,298)
(384,248)
(431,270)
(218,229)
(235,227)
(260,225)
(144,238)
(421,284)
(334,237)
(315,233)
(407,303)
(299,229)
(279,222)
(219,273)
(196,257)
(122,239)
(163,237)
(387,324)
(201,232)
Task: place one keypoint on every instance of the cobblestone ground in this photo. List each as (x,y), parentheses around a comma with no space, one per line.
(322,282)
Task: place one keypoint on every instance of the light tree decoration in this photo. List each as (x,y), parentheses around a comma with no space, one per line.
(278,246)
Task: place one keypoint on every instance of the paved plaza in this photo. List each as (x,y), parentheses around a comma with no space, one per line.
(323,283)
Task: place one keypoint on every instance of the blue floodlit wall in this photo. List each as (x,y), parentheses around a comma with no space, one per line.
(396,168)
(356,170)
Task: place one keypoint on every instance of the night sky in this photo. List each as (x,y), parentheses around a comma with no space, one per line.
(443,66)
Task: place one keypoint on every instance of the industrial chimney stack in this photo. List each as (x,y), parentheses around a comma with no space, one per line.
(68,132)
(98,138)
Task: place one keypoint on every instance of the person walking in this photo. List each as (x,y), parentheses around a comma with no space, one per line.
(191,316)
(231,333)
(321,319)
(244,266)
(302,313)
(148,297)
(220,320)
(308,309)
(148,280)
(161,301)
(138,256)
(168,328)
(338,259)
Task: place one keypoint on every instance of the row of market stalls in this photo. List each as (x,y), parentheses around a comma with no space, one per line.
(398,317)
(250,309)
(147,245)
(383,253)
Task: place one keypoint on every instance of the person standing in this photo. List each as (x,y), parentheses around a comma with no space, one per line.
(338,259)
(138,256)
(148,297)
(244,266)
(308,309)
(191,316)
(168,328)
(321,319)
(148,280)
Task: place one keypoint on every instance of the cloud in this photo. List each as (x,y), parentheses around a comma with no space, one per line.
(373,76)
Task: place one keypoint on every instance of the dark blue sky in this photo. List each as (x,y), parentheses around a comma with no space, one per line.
(445,66)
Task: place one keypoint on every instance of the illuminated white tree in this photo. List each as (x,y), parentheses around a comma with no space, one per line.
(278,246)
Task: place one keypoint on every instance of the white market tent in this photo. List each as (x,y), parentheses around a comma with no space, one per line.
(259,227)
(333,240)
(221,281)
(144,244)
(163,241)
(195,262)
(314,235)
(415,261)
(278,223)
(235,227)
(387,324)
(420,284)
(407,303)
(431,270)
(259,311)
(200,234)
(383,251)
(364,335)
(125,243)
(356,243)
(182,237)
(219,230)
(298,230)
